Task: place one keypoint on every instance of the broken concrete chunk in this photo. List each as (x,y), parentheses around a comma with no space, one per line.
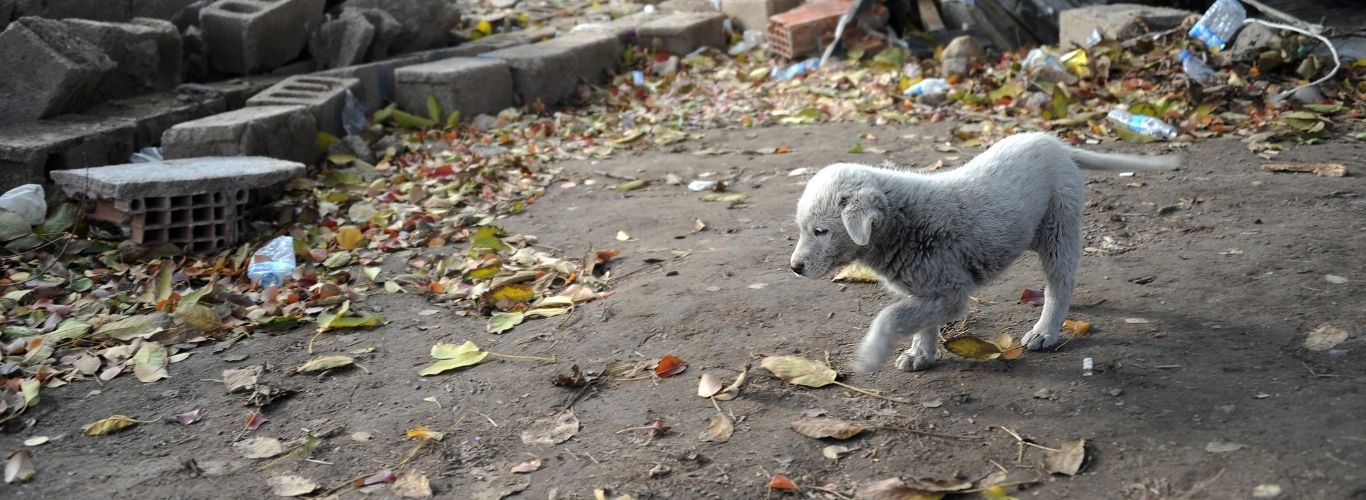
(427,24)
(47,70)
(682,33)
(342,41)
(147,53)
(1116,22)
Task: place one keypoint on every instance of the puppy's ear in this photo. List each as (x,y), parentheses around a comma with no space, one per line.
(859,211)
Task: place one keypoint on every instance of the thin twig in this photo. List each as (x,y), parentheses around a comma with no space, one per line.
(929,433)
(476,412)
(1201,485)
(1026,441)
(868,392)
(549,360)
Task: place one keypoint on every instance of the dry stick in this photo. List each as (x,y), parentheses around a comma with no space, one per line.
(1026,441)
(1201,485)
(928,433)
(549,360)
(867,392)
(495,424)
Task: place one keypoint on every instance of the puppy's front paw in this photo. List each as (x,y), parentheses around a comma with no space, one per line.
(911,360)
(1035,341)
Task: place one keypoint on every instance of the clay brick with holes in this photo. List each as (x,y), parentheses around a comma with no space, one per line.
(324,96)
(199,204)
(799,32)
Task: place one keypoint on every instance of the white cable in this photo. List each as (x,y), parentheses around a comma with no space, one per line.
(1337,62)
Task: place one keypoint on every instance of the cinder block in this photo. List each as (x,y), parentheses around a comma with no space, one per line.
(284,132)
(324,96)
(472,85)
(426,24)
(540,72)
(682,33)
(1116,22)
(597,55)
(29,151)
(251,36)
(754,14)
(147,53)
(343,40)
(152,114)
(198,203)
(46,70)
(376,79)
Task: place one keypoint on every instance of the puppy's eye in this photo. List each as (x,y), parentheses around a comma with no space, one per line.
(819,231)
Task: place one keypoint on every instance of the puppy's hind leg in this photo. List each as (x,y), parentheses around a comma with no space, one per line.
(1059,247)
(907,316)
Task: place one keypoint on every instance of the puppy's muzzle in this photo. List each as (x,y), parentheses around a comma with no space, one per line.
(798,267)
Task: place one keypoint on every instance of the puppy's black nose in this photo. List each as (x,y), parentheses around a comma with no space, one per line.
(798,267)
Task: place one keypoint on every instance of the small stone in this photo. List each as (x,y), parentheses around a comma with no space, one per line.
(1044,393)
(1334,279)
(1116,391)
(1266,490)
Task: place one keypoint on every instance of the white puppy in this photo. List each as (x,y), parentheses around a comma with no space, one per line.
(936,238)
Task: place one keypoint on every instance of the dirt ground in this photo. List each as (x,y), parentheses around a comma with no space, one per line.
(1207,347)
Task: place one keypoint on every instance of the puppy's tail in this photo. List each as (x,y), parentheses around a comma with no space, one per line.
(1111,161)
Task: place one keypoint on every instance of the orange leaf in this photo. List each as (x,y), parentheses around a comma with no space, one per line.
(782,150)
(669,366)
(781,483)
(1077,328)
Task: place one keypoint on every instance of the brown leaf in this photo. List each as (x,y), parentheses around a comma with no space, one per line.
(824,427)
(254,421)
(383,476)
(574,378)
(733,390)
(554,429)
(708,385)
(527,467)
(1031,297)
(1318,169)
(670,365)
(718,430)
(349,237)
(658,428)
(781,483)
(894,489)
(291,486)
(1068,459)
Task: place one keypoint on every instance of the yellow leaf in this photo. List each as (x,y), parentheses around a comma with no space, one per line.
(516,292)
(199,316)
(422,432)
(453,356)
(349,237)
(799,370)
(857,273)
(325,363)
(112,424)
(1078,328)
(972,348)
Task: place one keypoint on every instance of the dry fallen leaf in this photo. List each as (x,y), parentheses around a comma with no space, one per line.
(718,430)
(451,356)
(527,467)
(835,451)
(1078,328)
(658,428)
(349,237)
(1032,297)
(670,365)
(19,467)
(186,418)
(1223,446)
(1324,337)
(259,447)
(423,433)
(799,370)
(1318,169)
(781,483)
(708,385)
(412,485)
(554,429)
(894,489)
(857,273)
(1010,348)
(824,427)
(241,379)
(733,390)
(322,363)
(114,423)
(1069,458)
(972,348)
(291,486)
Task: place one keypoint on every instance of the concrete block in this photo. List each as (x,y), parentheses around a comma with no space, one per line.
(376,79)
(251,36)
(597,55)
(387,29)
(472,85)
(324,96)
(1116,22)
(754,14)
(342,41)
(540,72)
(426,24)
(682,33)
(284,132)
(686,6)
(498,41)
(47,70)
(152,114)
(147,53)
(197,203)
(29,151)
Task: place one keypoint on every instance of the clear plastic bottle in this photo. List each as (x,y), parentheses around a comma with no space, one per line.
(1142,124)
(751,39)
(273,262)
(1199,72)
(1220,22)
(929,86)
(790,72)
(1040,65)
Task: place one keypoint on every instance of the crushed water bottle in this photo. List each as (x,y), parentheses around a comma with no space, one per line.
(1220,22)
(146,155)
(1142,124)
(790,72)
(273,262)
(353,115)
(28,201)
(752,39)
(929,86)
(1199,72)
(1040,65)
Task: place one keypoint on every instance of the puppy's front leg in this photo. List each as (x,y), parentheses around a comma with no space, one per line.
(907,316)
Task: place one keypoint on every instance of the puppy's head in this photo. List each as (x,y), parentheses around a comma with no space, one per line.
(836,217)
